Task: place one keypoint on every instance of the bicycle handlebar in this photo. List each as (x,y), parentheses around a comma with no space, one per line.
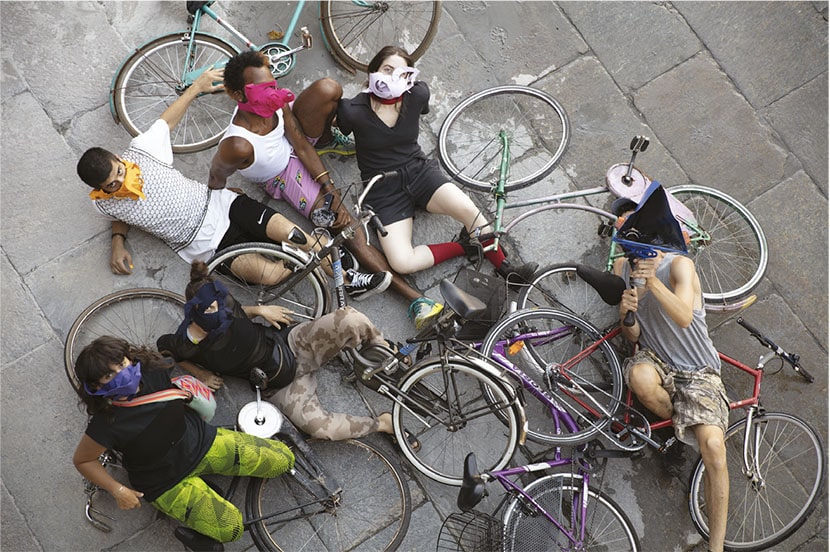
(791,358)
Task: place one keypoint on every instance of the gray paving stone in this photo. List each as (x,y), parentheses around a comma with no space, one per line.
(767,48)
(14,533)
(43,216)
(634,41)
(801,119)
(713,133)
(795,235)
(24,328)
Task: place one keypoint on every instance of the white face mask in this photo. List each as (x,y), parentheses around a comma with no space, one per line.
(392,86)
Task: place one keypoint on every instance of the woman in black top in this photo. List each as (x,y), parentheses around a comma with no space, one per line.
(385,121)
(165,445)
(218,338)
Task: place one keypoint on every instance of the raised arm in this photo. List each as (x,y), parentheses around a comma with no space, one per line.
(203,85)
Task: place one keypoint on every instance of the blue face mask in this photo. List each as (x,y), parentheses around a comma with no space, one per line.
(124,384)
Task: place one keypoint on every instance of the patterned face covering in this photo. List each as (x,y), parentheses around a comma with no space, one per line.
(216,323)
(264,99)
(132,188)
(390,88)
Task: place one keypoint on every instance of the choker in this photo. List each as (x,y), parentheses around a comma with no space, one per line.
(386,101)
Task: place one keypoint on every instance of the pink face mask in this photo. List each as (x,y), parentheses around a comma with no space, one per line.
(264,99)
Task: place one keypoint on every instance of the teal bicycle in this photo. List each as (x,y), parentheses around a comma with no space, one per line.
(159,71)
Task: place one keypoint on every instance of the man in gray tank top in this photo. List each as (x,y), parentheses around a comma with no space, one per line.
(676,372)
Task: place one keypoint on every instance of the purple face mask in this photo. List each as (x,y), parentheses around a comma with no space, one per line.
(124,384)
(264,99)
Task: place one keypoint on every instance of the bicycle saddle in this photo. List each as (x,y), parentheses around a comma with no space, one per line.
(609,286)
(462,303)
(472,486)
(193,6)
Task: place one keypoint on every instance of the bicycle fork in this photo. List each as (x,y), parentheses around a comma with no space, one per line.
(751,444)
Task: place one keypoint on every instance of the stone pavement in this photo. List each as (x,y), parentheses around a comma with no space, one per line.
(733,95)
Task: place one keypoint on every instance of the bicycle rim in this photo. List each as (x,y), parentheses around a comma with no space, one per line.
(538,130)
(732,258)
(151,80)
(447,411)
(792,469)
(544,344)
(607,528)
(356,31)
(558,286)
(371,512)
(140,316)
(254,273)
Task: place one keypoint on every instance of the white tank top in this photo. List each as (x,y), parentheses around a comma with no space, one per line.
(271,152)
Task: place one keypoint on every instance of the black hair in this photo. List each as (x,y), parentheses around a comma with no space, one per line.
(235,69)
(198,277)
(95,166)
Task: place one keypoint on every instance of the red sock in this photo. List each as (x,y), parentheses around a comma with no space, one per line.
(496,257)
(445,251)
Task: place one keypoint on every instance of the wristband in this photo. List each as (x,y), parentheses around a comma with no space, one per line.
(118,234)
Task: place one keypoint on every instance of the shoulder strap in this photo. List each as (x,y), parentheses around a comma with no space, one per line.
(158,396)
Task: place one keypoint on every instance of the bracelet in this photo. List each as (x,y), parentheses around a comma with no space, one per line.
(119,234)
(321,175)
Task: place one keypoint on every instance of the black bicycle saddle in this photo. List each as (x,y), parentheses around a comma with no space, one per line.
(609,286)
(472,487)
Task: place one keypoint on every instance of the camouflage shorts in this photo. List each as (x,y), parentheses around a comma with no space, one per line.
(698,396)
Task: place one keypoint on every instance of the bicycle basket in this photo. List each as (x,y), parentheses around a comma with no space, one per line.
(470,532)
(491,290)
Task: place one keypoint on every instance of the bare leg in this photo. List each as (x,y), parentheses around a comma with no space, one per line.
(450,200)
(715,481)
(316,106)
(399,251)
(645,382)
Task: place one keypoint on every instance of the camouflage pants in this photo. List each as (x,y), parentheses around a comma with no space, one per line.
(698,396)
(315,343)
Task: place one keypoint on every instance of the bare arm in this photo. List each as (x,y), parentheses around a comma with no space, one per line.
(679,303)
(628,302)
(203,85)
(231,155)
(87,464)
(121,262)
(302,147)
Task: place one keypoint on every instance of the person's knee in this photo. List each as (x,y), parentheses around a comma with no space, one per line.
(643,379)
(713,450)
(327,88)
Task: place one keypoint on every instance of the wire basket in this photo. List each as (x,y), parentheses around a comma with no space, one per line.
(470,532)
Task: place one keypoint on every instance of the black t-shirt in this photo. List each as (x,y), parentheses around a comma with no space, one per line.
(162,442)
(379,147)
(244,346)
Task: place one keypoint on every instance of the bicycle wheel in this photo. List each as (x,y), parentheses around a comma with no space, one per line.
(151,80)
(560,287)
(371,512)
(607,528)
(772,502)
(728,245)
(356,31)
(577,382)
(139,315)
(254,273)
(536,124)
(447,410)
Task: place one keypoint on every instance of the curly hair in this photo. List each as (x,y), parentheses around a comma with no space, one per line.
(235,69)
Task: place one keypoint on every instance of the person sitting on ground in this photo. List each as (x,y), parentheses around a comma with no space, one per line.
(142,189)
(385,120)
(268,142)
(676,372)
(166,447)
(218,338)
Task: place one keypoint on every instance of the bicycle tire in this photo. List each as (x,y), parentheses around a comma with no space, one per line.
(598,375)
(559,286)
(371,513)
(309,299)
(149,81)
(356,31)
(538,128)
(607,529)
(431,391)
(732,262)
(139,315)
(792,462)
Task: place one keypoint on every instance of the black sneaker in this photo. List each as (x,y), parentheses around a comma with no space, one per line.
(519,275)
(366,285)
(347,260)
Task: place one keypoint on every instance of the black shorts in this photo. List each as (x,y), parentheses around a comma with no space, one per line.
(249,219)
(395,198)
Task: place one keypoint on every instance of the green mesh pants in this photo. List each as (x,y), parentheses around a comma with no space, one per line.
(199,507)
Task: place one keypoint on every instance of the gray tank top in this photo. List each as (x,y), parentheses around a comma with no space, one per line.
(687,349)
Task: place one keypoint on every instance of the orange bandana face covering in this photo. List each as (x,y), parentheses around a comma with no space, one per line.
(131,189)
